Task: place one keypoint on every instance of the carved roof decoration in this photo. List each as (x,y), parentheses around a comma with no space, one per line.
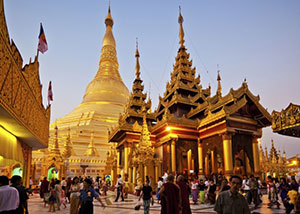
(287,122)
(21,92)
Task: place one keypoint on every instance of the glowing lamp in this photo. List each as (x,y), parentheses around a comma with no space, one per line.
(168,128)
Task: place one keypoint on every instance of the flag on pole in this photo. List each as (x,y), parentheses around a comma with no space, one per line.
(42,46)
(50,94)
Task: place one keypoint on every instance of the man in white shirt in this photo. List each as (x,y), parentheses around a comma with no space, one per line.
(9,196)
(119,186)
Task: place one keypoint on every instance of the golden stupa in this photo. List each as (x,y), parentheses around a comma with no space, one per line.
(82,134)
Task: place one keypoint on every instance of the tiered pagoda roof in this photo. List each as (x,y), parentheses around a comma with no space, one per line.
(184,91)
(132,118)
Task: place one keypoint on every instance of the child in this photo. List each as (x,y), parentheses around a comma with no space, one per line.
(52,199)
(63,198)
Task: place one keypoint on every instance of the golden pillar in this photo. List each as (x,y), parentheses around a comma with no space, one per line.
(134,175)
(156,173)
(126,154)
(130,175)
(212,155)
(112,175)
(173,155)
(145,172)
(189,160)
(200,158)
(118,162)
(255,156)
(227,150)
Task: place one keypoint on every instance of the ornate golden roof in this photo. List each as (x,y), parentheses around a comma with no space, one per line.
(287,122)
(21,106)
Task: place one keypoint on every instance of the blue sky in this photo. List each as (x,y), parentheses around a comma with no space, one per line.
(257,40)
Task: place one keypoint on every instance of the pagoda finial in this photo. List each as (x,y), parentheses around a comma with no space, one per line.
(137,56)
(109,20)
(181,32)
(219,91)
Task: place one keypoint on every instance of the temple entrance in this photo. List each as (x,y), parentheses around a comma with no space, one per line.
(186,157)
(52,173)
(242,154)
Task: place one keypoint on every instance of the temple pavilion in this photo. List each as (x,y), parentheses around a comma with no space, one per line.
(78,142)
(24,121)
(192,130)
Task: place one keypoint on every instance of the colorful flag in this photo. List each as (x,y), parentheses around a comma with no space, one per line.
(50,94)
(42,46)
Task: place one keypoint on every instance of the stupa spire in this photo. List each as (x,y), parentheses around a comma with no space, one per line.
(92,151)
(181,32)
(108,77)
(219,90)
(137,56)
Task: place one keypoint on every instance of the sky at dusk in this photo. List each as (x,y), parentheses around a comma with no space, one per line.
(257,40)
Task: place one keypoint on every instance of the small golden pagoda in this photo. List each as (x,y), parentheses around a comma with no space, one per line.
(191,130)
(24,121)
(85,128)
(272,163)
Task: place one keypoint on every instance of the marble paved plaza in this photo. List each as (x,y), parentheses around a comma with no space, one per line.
(36,207)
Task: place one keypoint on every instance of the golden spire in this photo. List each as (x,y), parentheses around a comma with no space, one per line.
(92,151)
(108,77)
(137,56)
(145,135)
(181,32)
(54,152)
(219,91)
(67,148)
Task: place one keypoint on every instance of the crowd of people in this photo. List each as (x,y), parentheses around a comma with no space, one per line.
(173,193)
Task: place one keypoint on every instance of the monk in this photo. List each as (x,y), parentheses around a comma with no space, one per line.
(186,209)
(170,197)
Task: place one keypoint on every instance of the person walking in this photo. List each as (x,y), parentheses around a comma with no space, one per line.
(253,185)
(16,181)
(9,197)
(159,185)
(170,197)
(74,193)
(195,190)
(52,198)
(202,187)
(58,190)
(184,190)
(44,190)
(147,196)
(119,186)
(231,201)
(86,197)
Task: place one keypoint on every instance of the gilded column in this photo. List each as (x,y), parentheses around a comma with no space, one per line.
(130,175)
(134,175)
(173,155)
(212,155)
(189,160)
(112,175)
(118,162)
(156,172)
(255,156)
(227,150)
(200,158)
(145,171)
(126,154)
